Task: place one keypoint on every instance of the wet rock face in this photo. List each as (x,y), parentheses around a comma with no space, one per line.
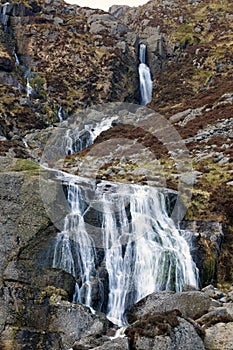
(207,242)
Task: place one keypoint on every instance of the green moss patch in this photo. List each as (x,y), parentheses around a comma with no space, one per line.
(26,165)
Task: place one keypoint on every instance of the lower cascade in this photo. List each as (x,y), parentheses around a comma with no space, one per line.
(120,244)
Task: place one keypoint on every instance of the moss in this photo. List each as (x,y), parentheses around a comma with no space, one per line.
(38,83)
(209,261)
(211,197)
(225,267)
(53,294)
(26,165)
(152,325)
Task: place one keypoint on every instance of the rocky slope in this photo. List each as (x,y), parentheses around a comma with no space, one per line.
(74,58)
(71,57)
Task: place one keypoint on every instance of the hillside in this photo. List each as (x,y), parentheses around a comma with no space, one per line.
(70,101)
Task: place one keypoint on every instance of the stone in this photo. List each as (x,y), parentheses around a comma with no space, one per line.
(6,64)
(164,331)
(58,20)
(115,344)
(216,316)
(219,337)
(106,344)
(73,321)
(191,304)
(157,343)
(213,292)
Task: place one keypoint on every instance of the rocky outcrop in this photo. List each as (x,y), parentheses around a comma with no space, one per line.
(118,10)
(167,321)
(164,331)
(207,238)
(191,304)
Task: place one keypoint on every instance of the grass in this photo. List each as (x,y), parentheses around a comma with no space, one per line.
(26,165)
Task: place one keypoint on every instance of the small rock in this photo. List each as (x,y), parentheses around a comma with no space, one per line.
(223,300)
(224,161)
(213,292)
(58,20)
(213,317)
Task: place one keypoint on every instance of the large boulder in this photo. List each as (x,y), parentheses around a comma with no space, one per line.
(165,330)
(219,336)
(191,304)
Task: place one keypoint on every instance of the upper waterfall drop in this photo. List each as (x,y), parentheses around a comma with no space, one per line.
(145,81)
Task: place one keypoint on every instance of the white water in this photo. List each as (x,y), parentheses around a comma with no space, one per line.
(76,139)
(4,8)
(16,59)
(60,113)
(5,16)
(123,230)
(82,255)
(145,81)
(143,250)
(29,89)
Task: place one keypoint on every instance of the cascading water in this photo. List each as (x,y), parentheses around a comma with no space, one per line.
(75,140)
(4,15)
(61,114)
(29,89)
(145,82)
(131,237)
(16,58)
(118,240)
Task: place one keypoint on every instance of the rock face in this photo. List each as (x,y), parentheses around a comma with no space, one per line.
(219,337)
(207,243)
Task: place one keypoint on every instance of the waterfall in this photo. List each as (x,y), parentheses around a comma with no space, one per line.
(118,240)
(4,16)
(61,114)
(125,231)
(81,256)
(75,139)
(16,58)
(29,89)
(145,82)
